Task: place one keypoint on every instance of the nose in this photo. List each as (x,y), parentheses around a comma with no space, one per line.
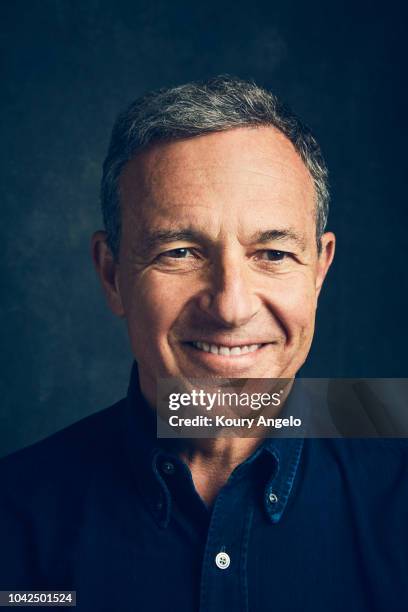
(230,298)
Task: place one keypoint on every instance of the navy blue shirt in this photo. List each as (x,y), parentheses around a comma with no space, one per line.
(107,510)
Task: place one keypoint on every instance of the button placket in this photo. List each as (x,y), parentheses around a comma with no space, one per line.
(224,573)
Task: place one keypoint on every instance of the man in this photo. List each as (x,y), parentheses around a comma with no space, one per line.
(215,201)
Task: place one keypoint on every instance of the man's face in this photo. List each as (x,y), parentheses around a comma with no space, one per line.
(218,270)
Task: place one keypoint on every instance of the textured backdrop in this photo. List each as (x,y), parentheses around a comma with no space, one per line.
(69,67)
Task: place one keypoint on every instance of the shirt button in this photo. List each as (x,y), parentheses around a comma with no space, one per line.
(222,560)
(168,467)
(273,498)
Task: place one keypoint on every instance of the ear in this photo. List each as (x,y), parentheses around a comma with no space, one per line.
(325,258)
(108,271)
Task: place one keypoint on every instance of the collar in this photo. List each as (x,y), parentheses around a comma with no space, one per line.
(153,459)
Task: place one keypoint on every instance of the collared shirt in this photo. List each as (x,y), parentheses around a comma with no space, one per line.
(107,510)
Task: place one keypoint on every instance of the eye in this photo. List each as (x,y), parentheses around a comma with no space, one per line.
(180,260)
(272,255)
(181,253)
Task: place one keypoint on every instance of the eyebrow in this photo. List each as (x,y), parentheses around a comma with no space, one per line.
(263,237)
(152,239)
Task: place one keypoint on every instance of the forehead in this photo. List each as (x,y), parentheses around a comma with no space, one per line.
(246,177)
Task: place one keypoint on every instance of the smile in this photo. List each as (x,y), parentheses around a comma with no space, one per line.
(219,349)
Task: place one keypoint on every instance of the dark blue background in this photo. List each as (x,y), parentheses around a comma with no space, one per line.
(69,67)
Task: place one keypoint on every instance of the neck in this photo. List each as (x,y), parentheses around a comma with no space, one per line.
(211,461)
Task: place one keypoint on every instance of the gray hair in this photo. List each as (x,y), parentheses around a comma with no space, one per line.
(219,104)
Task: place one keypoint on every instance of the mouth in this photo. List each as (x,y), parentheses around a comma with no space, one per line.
(229,359)
(226,351)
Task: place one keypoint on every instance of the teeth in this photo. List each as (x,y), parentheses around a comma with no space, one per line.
(224,350)
(216,349)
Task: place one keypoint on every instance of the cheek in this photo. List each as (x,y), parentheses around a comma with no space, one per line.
(293,300)
(154,306)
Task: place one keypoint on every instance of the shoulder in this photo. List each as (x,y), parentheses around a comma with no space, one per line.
(45,490)
(370,449)
(64,457)
(362,450)
(376,464)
